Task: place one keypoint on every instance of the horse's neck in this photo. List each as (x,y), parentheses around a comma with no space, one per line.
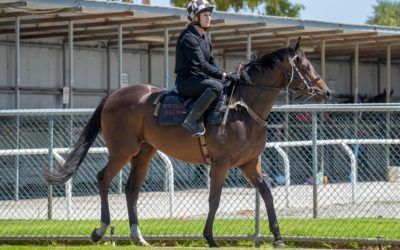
(258,99)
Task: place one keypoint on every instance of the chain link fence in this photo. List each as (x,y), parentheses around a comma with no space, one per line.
(334,171)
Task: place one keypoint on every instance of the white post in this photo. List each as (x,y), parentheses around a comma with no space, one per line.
(169,170)
(287,172)
(353,167)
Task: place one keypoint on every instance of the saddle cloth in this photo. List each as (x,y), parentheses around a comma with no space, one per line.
(172,109)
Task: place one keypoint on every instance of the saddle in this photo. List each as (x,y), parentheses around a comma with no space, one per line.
(172,109)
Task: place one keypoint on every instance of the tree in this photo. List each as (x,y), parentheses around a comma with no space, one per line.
(386,13)
(272,7)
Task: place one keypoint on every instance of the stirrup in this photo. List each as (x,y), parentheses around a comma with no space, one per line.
(196,129)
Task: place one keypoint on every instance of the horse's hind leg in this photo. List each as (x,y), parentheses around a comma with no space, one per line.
(139,167)
(104,177)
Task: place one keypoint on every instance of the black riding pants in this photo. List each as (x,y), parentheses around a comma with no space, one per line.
(195,86)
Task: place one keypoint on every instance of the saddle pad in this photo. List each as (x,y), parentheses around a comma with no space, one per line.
(174,109)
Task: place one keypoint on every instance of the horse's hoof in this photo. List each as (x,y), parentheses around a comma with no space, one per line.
(140,241)
(211,242)
(144,243)
(95,237)
(279,244)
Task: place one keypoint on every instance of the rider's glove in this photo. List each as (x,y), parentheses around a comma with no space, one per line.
(234,77)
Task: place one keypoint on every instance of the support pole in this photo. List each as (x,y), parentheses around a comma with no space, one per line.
(248,47)
(108,52)
(388,72)
(323,59)
(71,62)
(323,75)
(17,104)
(388,115)
(356,73)
(17,61)
(65,80)
(286,121)
(120,62)
(355,89)
(120,48)
(166,58)
(149,61)
(223,59)
(68,184)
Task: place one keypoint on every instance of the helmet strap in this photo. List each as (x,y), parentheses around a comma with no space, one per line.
(196,21)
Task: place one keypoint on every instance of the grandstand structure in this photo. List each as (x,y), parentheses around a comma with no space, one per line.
(69,54)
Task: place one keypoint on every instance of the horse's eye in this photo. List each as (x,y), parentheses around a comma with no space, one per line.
(307,68)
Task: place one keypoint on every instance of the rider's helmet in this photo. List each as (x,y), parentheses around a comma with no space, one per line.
(195,7)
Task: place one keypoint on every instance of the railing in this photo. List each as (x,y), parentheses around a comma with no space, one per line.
(337,162)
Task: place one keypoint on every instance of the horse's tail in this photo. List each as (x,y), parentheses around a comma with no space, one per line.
(78,152)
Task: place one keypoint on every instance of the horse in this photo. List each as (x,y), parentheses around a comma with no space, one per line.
(131,133)
(379,98)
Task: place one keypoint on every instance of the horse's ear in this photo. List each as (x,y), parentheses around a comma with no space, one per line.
(297,46)
(253,57)
(384,91)
(391,92)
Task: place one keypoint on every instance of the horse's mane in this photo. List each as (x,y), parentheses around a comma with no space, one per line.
(267,61)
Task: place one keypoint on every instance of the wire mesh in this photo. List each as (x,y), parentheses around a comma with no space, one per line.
(352,193)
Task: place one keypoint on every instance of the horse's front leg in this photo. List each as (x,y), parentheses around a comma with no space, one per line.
(253,173)
(217,178)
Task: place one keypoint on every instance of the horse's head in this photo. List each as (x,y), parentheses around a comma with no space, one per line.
(302,77)
(292,69)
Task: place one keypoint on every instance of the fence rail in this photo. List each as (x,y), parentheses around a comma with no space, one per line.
(334,172)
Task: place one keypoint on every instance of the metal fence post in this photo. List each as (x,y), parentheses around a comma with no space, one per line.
(50,157)
(257,221)
(16,188)
(315,163)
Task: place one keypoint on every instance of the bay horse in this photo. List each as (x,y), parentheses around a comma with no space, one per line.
(131,134)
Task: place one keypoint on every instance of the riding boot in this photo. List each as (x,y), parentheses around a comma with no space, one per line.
(194,121)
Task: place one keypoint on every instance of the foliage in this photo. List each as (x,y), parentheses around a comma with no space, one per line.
(271,7)
(386,13)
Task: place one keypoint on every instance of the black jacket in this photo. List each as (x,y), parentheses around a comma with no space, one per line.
(194,56)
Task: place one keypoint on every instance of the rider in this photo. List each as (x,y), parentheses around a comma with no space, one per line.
(197,76)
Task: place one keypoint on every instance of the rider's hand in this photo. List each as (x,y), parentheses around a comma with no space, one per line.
(234,77)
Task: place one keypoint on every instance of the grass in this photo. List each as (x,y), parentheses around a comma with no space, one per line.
(349,228)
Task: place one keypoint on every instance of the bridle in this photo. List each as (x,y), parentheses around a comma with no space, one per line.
(305,86)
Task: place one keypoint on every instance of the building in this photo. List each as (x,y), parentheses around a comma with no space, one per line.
(114,44)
